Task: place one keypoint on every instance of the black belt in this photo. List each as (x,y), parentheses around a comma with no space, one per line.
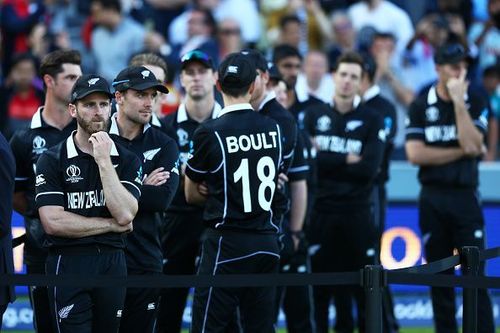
(87,249)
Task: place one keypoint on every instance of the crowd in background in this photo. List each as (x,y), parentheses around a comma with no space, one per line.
(401,35)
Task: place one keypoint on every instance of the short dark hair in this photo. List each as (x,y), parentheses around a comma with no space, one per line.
(52,63)
(110,4)
(284,51)
(349,58)
(492,71)
(369,66)
(289,19)
(149,58)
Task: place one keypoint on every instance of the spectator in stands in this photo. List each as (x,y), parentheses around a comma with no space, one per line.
(385,17)
(229,37)
(343,36)
(486,36)
(391,81)
(117,37)
(290,31)
(18,18)
(22,97)
(315,79)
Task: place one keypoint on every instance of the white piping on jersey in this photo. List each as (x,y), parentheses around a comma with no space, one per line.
(270,95)
(71,148)
(36,120)
(55,293)
(182,114)
(195,170)
(248,256)
(373,91)
(136,187)
(211,288)
(45,193)
(298,169)
(289,155)
(279,163)
(235,107)
(21,178)
(225,180)
(218,168)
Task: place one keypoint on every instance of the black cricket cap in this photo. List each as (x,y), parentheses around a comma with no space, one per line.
(451,53)
(197,56)
(88,84)
(369,65)
(237,71)
(137,78)
(258,59)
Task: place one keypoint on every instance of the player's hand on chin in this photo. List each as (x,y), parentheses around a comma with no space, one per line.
(101,145)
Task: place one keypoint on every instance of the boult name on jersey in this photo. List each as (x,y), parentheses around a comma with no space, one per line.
(86,200)
(256,141)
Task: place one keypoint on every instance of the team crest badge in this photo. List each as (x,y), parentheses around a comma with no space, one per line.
(323,124)
(39,144)
(73,172)
(432,113)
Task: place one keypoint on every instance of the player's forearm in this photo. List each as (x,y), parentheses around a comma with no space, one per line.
(121,203)
(193,196)
(420,154)
(70,225)
(298,206)
(158,198)
(469,137)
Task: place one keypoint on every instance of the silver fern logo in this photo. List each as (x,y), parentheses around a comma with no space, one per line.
(150,154)
(64,312)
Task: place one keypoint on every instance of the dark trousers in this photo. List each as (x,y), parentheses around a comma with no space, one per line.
(39,299)
(141,305)
(181,244)
(236,253)
(3,307)
(346,241)
(87,310)
(449,219)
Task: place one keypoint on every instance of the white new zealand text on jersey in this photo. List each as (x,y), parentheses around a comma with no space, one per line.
(86,200)
(256,141)
(336,144)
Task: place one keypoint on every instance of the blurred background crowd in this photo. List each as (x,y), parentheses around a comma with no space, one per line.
(401,35)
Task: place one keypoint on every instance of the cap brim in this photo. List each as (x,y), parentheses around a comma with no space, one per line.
(200,61)
(110,95)
(147,85)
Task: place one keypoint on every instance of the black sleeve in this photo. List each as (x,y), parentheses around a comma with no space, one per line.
(479,113)
(289,139)
(21,155)
(131,174)
(158,198)
(202,155)
(372,154)
(390,123)
(415,123)
(6,175)
(48,183)
(299,169)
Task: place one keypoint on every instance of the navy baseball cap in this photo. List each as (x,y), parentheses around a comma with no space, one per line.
(88,84)
(197,56)
(258,59)
(137,78)
(237,71)
(451,53)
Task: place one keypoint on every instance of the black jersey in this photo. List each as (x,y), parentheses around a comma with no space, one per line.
(156,150)
(432,121)
(238,155)
(360,132)
(376,102)
(68,177)
(291,162)
(27,145)
(181,128)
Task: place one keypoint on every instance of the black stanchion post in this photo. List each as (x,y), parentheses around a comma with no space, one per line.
(469,261)
(373,281)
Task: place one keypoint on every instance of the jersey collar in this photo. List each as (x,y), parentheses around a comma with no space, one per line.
(432,96)
(114,125)
(270,95)
(182,114)
(371,92)
(235,107)
(36,120)
(355,102)
(73,152)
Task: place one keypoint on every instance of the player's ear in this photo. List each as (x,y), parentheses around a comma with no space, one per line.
(217,85)
(215,76)
(72,110)
(48,80)
(251,88)
(119,97)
